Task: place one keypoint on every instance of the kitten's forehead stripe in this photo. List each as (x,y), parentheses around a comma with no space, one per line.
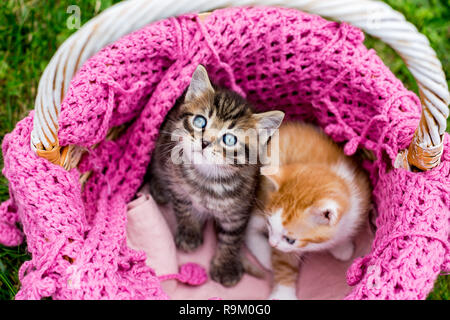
(230,106)
(232,124)
(235,113)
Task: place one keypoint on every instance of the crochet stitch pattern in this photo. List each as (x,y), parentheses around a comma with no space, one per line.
(313,69)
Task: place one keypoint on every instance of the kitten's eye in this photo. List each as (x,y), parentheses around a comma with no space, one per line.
(199,122)
(327,214)
(289,240)
(229,139)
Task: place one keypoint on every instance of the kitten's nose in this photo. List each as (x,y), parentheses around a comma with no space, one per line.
(205,143)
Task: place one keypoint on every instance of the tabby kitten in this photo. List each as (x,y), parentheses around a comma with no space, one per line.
(201,164)
(315,202)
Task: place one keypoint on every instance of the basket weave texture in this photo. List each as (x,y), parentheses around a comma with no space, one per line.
(313,69)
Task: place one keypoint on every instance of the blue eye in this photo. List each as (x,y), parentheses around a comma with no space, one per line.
(289,240)
(199,122)
(229,139)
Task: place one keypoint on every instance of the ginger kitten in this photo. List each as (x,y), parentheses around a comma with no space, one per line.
(316,201)
(201,166)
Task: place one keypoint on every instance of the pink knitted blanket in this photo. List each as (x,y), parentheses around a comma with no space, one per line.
(313,69)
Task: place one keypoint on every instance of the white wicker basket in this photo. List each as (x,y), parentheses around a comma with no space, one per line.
(373,17)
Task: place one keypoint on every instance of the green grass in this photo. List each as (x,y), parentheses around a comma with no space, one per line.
(31,31)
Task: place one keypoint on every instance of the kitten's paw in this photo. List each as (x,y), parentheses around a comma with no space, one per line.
(188,239)
(227,273)
(343,251)
(282,292)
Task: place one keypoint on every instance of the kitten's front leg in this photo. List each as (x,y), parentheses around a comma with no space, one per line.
(156,186)
(285,274)
(226,265)
(189,232)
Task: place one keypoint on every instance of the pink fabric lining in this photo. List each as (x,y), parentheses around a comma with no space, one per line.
(313,69)
(321,276)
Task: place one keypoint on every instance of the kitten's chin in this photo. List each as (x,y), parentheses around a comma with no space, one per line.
(209,168)
(213,170)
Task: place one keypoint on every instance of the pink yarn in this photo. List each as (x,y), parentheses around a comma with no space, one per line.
(190,273)
(313,69)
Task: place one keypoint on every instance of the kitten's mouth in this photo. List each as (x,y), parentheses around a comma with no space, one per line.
(202,157)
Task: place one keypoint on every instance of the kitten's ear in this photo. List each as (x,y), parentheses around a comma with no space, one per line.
(267,123)
(199,85)
(327,214)
(270,120)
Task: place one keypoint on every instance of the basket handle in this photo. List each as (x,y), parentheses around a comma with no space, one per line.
(373,17)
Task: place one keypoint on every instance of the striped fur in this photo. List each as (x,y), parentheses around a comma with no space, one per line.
(211,187)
